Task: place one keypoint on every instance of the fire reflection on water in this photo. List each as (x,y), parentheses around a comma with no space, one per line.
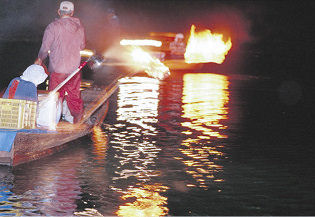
(100,142)
(147,201)
(205,99)
(204,114)
(136,114)
(140,107)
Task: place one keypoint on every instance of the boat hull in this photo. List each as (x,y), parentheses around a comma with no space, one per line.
(32,146)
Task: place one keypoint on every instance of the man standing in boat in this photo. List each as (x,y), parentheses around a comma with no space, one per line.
(62,41)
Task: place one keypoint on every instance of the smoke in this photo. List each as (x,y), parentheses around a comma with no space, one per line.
(227,20)
(28,18)
(93,16)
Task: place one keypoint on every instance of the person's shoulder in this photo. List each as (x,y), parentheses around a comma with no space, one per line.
(27,83)
(16,78)
(57,21)
(52,24)
(76,20)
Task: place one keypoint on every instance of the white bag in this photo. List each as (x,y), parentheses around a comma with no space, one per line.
(49,111)
(66,115)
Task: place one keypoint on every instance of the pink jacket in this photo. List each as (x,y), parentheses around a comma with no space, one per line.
(64,38)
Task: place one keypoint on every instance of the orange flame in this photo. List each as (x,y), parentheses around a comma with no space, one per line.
(204,46)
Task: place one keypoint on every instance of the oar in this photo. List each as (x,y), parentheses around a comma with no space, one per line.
(43,103)
(68,78)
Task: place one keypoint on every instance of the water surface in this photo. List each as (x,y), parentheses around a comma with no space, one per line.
(196,144)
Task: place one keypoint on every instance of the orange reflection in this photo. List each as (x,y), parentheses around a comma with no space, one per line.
(205,98)
(145,201)
(100,141)
(137,103)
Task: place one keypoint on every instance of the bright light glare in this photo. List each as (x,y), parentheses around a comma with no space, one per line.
(152,66)
(86,53)
(144,42)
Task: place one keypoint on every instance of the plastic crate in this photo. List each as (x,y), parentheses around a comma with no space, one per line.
(17,114)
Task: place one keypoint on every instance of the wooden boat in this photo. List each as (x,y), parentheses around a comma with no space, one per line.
(181,65)
(32,146)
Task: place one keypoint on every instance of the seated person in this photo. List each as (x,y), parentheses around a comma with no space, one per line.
(25,86)
(178,47)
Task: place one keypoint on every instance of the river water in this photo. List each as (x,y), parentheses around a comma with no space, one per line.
(195,144)
(233,142)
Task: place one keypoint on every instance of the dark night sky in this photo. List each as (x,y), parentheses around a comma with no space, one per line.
(279,31)
(27,18)
(255,17)
(282,20)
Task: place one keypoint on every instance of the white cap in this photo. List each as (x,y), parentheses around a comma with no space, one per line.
(66,6)
(35,74)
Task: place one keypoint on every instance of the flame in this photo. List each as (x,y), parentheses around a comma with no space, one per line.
(152,66)
(205,47)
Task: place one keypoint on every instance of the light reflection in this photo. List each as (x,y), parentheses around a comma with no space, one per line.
(146,201)
(100,142)
(52,188)
(134,152)
(138,101)
(205,99)
(8,202)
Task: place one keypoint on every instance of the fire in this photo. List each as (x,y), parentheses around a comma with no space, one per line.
(205,46)
(152,66)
